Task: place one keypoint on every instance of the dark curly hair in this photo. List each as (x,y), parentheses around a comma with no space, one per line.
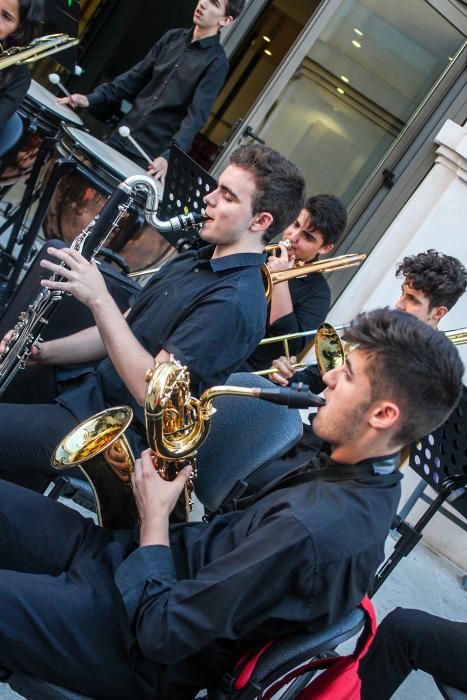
(411,364)
(328,216)
(442,278)
(280,187)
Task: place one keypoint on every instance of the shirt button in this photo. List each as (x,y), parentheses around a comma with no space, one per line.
(196,269)
(165,294)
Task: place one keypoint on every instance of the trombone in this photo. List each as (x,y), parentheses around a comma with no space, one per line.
(457,336)
(39,48)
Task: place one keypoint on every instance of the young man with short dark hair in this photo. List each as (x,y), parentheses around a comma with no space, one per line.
(206,307)
(172,89)
(171,609)
(302,303)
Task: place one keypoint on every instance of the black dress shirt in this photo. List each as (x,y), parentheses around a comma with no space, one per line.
(300,557)
(311,299)
(209,313)
(172,89)
(13,91)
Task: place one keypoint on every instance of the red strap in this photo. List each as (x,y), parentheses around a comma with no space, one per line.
(344,666)
(246,672)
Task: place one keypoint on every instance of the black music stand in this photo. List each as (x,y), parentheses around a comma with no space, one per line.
(186,184)
(440,458)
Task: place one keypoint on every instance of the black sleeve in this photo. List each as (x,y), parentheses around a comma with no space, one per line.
(14,92)
(129,84)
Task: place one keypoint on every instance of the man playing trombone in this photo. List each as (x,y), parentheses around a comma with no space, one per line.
(303,302)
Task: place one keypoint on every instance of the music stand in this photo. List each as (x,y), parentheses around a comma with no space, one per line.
(186,184)
(440,458)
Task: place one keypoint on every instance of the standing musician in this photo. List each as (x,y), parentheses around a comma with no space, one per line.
(20,23)
(303,302)
(205,307)
(171,609)
(173,88)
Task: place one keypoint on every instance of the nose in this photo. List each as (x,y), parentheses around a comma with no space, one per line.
(330,377)
(210,198)
(400,306)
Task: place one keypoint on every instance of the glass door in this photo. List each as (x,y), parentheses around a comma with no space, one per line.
(348,87)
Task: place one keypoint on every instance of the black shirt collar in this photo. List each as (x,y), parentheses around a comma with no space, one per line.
(203,43)
(229,262)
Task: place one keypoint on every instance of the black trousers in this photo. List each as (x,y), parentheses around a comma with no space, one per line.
(408,640)
(61,612)
(31,426)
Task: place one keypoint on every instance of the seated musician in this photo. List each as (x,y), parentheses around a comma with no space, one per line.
(302,303)
(205,307)
(162,612)
(432,283)
(20,23)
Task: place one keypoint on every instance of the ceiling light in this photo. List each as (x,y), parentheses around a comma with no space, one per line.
(340,91)
(357,31)
(344,79)
(267,52)
(266,38)
(356,44)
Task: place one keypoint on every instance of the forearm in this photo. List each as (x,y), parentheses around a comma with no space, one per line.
(79,348)
(128,356)
(281,302)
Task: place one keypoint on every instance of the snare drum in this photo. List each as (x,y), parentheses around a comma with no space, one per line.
(42,117)
(81,194)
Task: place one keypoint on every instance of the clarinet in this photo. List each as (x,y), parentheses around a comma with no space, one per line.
(31,323)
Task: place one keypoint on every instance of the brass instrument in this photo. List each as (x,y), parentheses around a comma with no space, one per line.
(272,247)
(457,336)
(176,425)
(325,265)
(39,48)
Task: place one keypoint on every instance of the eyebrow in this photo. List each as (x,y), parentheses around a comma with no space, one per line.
(224,188)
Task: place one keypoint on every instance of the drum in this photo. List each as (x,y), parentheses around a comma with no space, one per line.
(81,194)
(42,117)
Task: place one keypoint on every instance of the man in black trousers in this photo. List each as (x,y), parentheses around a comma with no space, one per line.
(161,612)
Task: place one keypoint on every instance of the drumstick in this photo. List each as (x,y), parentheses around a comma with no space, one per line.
(54,78)
(125,132)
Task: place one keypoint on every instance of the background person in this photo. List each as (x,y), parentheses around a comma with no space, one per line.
(171,609)
(301,303)
(20,23)
(172,89)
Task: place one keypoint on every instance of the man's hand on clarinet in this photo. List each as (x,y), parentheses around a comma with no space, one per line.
(34,358)
(81,278)
(158,168)
(285,370)
(74,100)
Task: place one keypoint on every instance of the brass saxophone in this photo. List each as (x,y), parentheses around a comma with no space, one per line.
(176,426)
(32,322)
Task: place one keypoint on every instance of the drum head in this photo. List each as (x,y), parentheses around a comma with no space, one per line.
(105,155)
(45,99)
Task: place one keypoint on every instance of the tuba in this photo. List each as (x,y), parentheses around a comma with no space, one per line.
(176,426)
(31,323)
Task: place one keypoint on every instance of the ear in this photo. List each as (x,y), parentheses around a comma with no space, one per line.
(261,221)
(385,415)
(437,312)
(326,249)
(228,19)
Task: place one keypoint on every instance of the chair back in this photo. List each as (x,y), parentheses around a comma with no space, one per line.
(245,433)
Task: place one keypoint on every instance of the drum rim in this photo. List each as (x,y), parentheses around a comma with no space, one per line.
(68,130)
(61,117)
